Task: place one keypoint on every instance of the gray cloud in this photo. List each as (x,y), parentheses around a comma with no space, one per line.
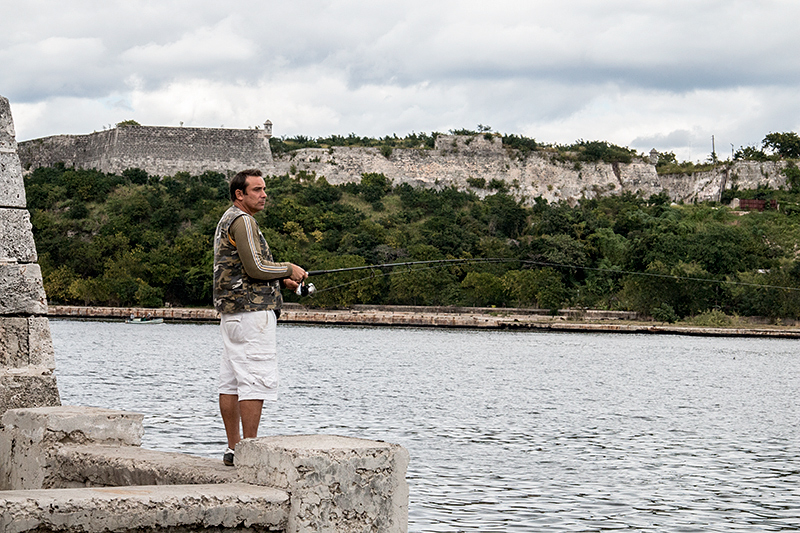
(671,140)
(615,70)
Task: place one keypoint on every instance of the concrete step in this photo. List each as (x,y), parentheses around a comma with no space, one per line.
(110,466)
(144,508)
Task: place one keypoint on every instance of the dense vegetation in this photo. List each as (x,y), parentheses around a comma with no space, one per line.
(135,239)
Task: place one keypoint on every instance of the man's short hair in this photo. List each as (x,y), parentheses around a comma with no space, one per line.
(239,181)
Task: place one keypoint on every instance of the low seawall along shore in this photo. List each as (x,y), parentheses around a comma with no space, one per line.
(443,317)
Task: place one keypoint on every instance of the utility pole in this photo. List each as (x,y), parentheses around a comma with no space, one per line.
(713,151)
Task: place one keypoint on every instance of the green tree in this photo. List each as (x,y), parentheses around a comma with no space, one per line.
(57,285)
(374,186)
(792,174)
(749,153)
(505,214)
(483,289)
(686,287)
(136,176)
(343,289)
(147,296)
(774,293)
(423,285)
(542,287)
(786,145)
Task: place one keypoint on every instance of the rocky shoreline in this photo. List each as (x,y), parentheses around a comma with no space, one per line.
(445,317)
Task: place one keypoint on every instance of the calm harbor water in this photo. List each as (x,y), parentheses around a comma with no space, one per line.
(507,431)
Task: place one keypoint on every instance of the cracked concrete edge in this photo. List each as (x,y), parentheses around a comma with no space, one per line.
(144,508)
(358,484)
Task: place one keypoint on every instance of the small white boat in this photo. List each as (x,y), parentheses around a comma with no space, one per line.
(144,320)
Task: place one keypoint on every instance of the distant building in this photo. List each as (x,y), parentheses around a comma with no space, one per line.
(743,204)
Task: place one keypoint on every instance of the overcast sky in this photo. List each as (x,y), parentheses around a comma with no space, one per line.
(644,74)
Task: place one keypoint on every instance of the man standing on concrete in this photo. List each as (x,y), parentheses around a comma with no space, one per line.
(248,297)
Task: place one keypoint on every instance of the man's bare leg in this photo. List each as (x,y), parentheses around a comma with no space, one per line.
(250,412)
(229,409)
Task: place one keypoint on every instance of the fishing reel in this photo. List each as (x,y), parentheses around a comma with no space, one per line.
(305,289)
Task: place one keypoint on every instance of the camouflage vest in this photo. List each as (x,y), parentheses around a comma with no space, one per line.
(234,290)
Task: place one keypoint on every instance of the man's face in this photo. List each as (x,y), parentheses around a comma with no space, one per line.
(254,197)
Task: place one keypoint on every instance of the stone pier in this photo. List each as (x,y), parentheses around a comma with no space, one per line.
(80,469)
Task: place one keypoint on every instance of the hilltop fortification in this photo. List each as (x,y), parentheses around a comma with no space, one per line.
(453,161)
(161,151)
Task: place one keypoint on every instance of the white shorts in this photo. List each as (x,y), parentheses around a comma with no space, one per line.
(249,366)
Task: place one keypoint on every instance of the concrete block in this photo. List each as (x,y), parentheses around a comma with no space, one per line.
(211,508)
(40,342)
(8,141)
(21,290)
(338,484)
(30,438)
(30,386)
(16,244)
(14,342)
(12,188)
(26,341)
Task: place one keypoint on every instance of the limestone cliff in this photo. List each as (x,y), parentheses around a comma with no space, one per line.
(455,159)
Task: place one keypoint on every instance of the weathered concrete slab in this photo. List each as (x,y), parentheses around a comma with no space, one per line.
(31,386)
(145,509)
(26,341)
(12,188)
(21,290)
(81,424)
(30,437)
(338,484)
(16,244)
(111,466)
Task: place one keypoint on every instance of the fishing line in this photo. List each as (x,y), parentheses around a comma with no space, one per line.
(407,263)
(669,276)
(381,275)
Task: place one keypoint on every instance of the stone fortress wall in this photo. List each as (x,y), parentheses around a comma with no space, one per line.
(454,159)
(161,151)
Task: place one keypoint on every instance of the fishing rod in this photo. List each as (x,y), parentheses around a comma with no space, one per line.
(409,263)
(308,289)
